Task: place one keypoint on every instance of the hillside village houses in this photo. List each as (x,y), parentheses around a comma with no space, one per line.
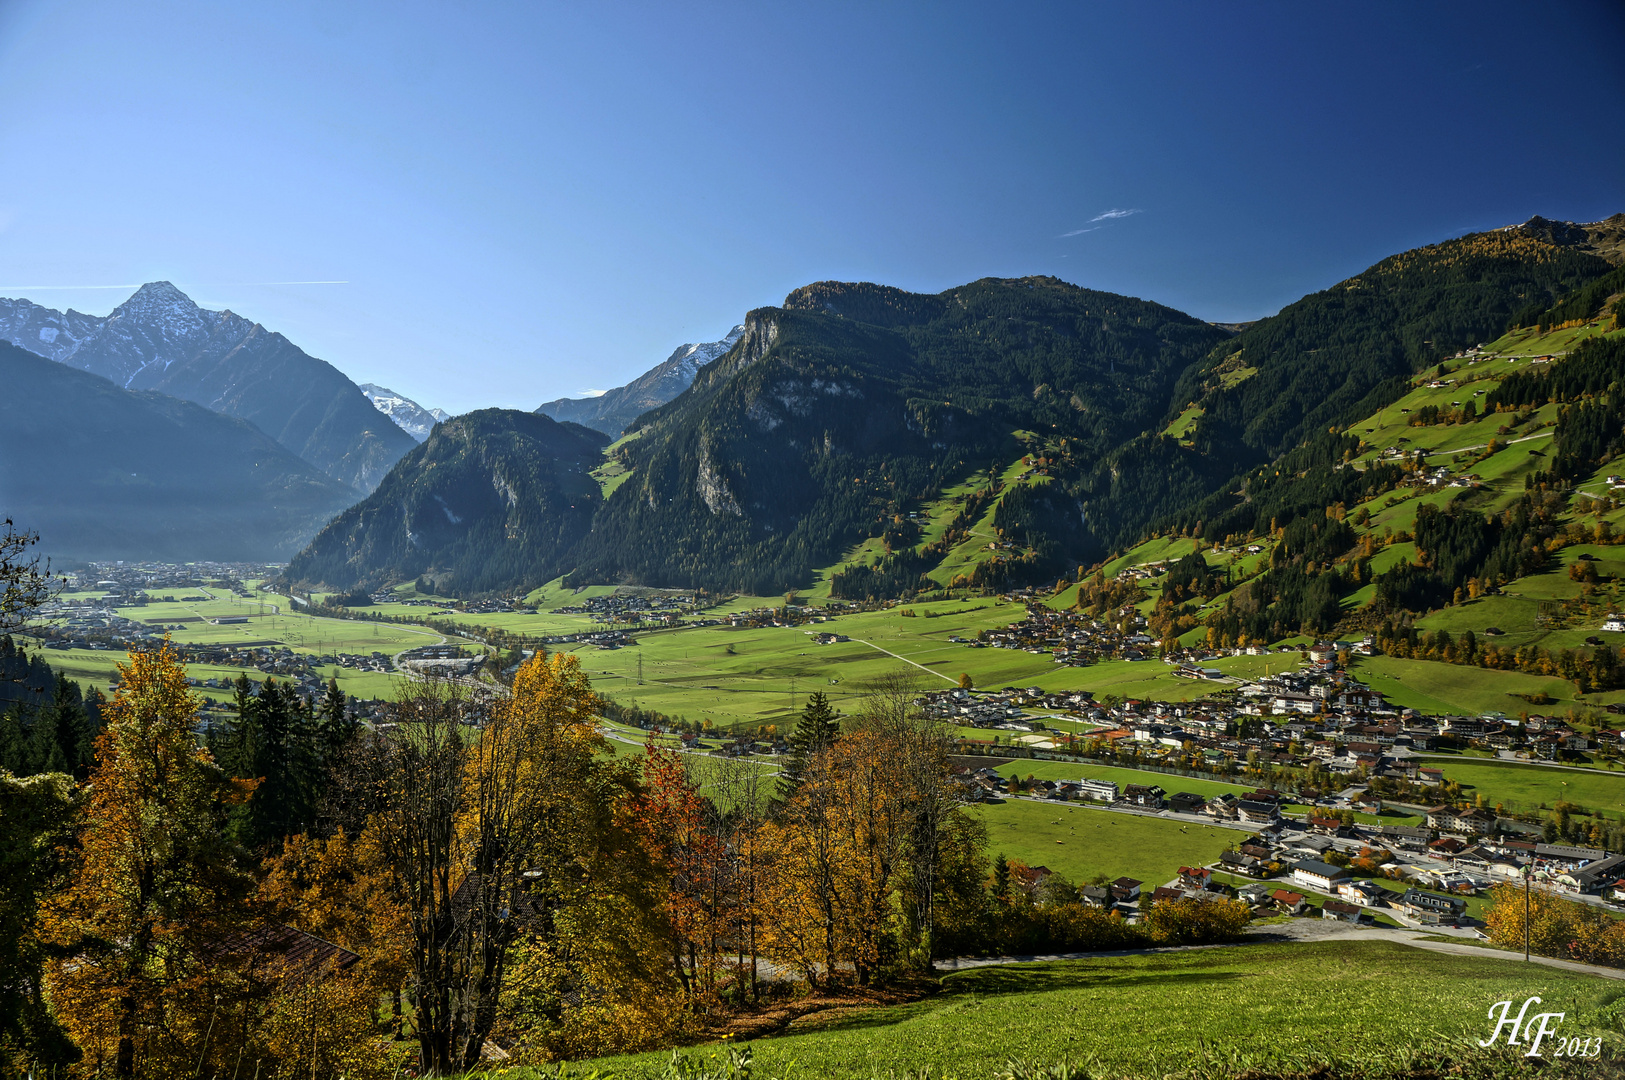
(1311,712)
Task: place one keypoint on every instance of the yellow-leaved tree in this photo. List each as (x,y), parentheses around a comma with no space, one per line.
(153,889)
(532,910)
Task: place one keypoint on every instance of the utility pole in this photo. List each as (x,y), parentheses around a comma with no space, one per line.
(1526,876)
(640,669)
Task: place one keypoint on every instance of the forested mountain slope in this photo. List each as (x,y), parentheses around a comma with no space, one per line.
(1014,430)
(1327,360)
(836,411)
(494,499)
(160,340)
(102,472)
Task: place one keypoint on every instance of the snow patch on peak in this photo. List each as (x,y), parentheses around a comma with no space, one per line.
(691,358)
(412,418)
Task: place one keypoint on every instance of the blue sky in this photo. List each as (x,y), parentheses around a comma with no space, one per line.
(530,200)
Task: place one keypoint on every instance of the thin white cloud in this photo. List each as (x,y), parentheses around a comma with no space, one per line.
(592,393)
(1109,215)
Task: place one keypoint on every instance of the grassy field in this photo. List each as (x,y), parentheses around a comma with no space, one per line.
(753,677)
(1073,770)
(1526,787)
(1528,341)
(270,619)
(1082,843)
(1363,1004)
(1435,687)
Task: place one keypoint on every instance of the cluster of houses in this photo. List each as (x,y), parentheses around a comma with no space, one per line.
(91,624)
(1426,872)
(444,660)
(603,639)
(128,579)
(1315,715)
(1071,637)
(488,606)
(634,607)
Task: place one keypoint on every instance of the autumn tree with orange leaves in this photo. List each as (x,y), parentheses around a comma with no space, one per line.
(678,828)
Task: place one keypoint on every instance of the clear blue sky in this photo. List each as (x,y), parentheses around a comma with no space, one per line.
(530,200)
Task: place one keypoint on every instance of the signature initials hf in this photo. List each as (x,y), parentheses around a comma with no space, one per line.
(1535,1031)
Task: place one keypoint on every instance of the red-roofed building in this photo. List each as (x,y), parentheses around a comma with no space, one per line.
(1290,902)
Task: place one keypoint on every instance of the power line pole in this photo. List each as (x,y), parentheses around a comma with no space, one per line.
(1526,876)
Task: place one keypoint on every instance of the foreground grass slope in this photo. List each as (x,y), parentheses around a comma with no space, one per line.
(1256,1006)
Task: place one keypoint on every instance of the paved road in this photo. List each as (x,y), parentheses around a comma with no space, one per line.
(1301,930)
(1460,760)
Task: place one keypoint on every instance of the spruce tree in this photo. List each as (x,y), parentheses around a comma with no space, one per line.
(62,722)
(336,726)
(45,750)
(13,743)
(815,730)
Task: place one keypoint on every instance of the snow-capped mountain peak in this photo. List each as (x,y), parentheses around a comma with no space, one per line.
(611,410)
(158,339)
(412,418)
(691,358)
(159,301)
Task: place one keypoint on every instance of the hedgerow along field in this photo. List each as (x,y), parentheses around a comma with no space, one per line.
(1367,1005)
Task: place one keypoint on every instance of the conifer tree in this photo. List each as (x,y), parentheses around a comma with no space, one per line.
(13,743)
(815,730)
(336,726)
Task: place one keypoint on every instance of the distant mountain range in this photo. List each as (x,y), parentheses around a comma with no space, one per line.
(1085,420)
(612,411)
(160,340)
(103,472)
(413,418)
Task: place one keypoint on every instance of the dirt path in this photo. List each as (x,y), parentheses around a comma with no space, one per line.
(906,660)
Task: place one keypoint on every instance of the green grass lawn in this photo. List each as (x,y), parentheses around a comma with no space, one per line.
(1435,687)
(1181,424)
(1074,770)
(1525,787)
(1211,1011)
(1081,842)
(762,676)
(270,618)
